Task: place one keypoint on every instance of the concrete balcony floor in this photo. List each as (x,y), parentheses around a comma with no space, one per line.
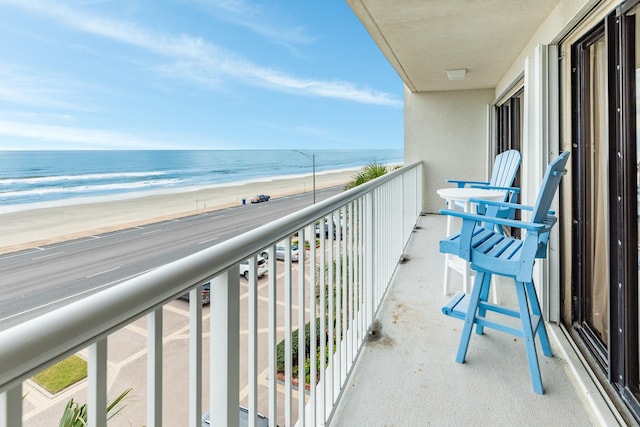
(409,377)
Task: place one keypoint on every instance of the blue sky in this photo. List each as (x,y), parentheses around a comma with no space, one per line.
(193,74)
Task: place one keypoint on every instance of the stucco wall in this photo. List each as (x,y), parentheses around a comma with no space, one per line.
(563,18)
(447,131)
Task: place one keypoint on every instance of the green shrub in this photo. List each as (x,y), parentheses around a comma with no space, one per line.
(280,353)
(75,414)
(368,173)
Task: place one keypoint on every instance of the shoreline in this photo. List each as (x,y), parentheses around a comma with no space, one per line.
(82,200)
(38,226)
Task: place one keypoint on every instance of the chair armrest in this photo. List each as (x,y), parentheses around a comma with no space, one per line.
(492,187)
(530,226)
(516,206)
(462,183)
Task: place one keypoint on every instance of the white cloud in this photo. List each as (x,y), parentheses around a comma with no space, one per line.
(199,61)
(326,89)
(79,137)
(20,86)
(258,19)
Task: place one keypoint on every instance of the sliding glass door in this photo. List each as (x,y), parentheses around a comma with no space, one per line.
(591,206)
(604,236)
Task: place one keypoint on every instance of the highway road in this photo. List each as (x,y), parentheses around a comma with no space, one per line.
(40,279)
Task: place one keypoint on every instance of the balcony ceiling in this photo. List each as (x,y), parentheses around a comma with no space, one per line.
(422,39)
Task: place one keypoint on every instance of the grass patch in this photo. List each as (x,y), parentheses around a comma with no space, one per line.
(62,374)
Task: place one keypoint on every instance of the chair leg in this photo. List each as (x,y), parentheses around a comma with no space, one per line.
(535,309)
(529,338)
(466,275)
(470,316)
(445,289)
(494,289)
(484,297)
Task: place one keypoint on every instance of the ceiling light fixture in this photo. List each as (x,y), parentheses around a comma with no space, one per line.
(458,74)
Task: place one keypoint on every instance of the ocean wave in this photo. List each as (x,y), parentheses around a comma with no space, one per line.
(55,176)
(35,180)
(88,189)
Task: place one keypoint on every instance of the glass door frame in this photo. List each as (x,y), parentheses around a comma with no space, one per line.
(625,369)
(617,362)
(581,278)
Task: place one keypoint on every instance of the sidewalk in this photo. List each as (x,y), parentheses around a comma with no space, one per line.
(127,367)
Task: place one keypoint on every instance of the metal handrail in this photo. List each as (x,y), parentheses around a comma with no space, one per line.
(55,335)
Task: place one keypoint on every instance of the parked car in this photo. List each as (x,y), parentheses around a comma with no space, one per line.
(260,198)
(319,227)
(280,252)
(261,267)
(206,291)
(336,227)
(244,419)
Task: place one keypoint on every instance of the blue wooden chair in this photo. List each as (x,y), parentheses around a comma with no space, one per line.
(505,168)
(490,252)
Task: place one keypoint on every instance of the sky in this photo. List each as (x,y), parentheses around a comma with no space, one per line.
(193,74)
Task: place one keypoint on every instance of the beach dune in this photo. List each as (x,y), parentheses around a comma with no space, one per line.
(45,225)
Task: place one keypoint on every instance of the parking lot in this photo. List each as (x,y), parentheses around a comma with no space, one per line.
(127,363)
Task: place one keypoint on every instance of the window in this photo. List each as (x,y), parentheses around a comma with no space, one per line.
(509,123)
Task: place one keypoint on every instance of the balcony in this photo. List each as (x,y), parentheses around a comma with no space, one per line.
(393,359)
(407,375)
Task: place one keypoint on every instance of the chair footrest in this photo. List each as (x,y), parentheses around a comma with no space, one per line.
(457,306)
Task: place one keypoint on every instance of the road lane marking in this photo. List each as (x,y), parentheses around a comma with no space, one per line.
(69,242)
(207,241)
(75,295)
(47,256)
(21,253)
(152,231)
(102,272)
(129,230)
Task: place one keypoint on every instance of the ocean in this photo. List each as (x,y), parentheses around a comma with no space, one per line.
(51,178)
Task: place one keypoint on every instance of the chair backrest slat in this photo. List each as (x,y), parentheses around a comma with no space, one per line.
(552,177)
(505,168)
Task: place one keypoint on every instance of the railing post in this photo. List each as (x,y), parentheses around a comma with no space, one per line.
(403,212)
(337,359)
(301,328)
(419,188)
(362,328)
(252,342)
(273,324)
(323,324)
(11,407)
(331,314)
(313,327)
(195,357)
(288,327)
(97,384)
(369,261)
(154,368)
(225,347)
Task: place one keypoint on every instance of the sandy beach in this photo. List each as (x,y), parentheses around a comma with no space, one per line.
(35,227)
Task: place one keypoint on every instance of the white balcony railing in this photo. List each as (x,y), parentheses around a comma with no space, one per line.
(336,288)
